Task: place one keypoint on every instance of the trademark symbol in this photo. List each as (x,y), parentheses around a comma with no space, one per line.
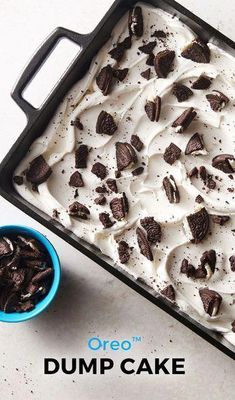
(136,339)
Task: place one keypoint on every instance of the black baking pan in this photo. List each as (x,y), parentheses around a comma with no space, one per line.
(37,120)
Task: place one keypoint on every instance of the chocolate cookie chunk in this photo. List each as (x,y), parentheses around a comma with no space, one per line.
(172,153)
(211,301)
(169,292)
(193,172)
(198,225)
(148,48)
(120,74)
(197,51)
(38,171)
(18,180)
(233,326)
(77,122)
(100,200)
(150,60)
(202,83)
(112,185)
(232,263)
(81,155)
(199,199)
(152,228)
(146,74)
(181,92)
(137,171)
(105,124)
(6,247)
(187,269)
(118,51)
(125,155)
(195,145)
(143,244)
(136,142)
(123,252)
(76,180)
(153,109)
(217,101)
(208,260)
(222,162)
(220,219)
(78,210)
(99,170)
(135,22)
(171,189)
(119,208)
(184,120)
(163,63)
(105,220)
(104,79)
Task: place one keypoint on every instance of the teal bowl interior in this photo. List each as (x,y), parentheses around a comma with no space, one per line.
(44,303)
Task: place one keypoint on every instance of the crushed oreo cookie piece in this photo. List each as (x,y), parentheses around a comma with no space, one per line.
(137,171)
(233,326)
(150,60)
(187,269)
(217,101)
(135,22)
(112,185)
(203,173)
(81,155)
(193,172)
(232,263)
(146,74)
(118,208)
(78,210)
(220,219)
(202,83)
(153,109)
(159,34)
(120,74)
(77,123)
(171,189)
(18,180)
(152,228)
(223,163)
(211,301)
(105,220)
(199,225)
(148,48)
(184,120)
(169,292)
(105,124)
(76,180)
(100,200)
(208,261)
(199,199)
(16,274)
(197,51)
(195,145)
(38,171)
(123,252)
(136,142)
(118,51)
(101,189)
(125,155)
(181,92)
(99,170)
(163,63)
(104,79)
(143,244)
(172,153)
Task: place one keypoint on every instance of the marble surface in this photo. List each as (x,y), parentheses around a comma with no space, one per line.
(91,302)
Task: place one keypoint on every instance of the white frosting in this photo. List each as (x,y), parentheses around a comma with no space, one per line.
(145,192)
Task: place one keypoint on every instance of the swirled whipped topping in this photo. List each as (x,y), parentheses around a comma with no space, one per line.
(139,161)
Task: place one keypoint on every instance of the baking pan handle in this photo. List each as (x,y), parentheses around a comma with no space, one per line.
(36,63)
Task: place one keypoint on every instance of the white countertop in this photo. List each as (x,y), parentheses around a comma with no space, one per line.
(91,302)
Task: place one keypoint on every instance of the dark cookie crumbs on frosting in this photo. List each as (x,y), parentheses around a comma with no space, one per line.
(217,101)
(153,109)
(77,123)
(118,52)
(143,244)
(181,92)
(81,155)
(136,142)
(146,74)
(137,171)
(222,163)
(211,301)
(78,210)
(187,268)
(76,180)
(150,60)
(120,74)
(104,79)
(169,292)
(220,219)
(193,172)
(119,207)
(99,170)
(112,185)
(195,144)
(105,220)
(152,228)
(232,263)
(172,153)
(123,252)
(199,199)
(199,225)
(197,51)
(18,180)
(171,189)
(148,48)
(100,200)
(125,155)
(105,124)
(39,171)
(184,120)
(135,22)
(202,83)
(163,63)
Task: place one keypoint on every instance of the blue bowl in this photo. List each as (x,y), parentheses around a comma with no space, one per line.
(44,303)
